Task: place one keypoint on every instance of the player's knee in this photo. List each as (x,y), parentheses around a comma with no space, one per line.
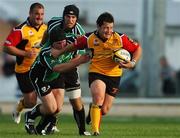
(58,110)
(51,110)
(30,103)
(98,100)
(30,100)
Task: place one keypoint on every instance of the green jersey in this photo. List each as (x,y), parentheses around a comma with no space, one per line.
(46,60)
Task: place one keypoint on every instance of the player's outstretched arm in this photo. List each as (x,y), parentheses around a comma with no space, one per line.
(57,52)
(72,64)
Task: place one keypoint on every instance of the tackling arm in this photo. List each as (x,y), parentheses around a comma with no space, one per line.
(80,43)
(71,64)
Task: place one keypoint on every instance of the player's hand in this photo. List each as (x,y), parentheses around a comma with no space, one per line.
(31,53)
(84,58)
(127,64)
(76,57)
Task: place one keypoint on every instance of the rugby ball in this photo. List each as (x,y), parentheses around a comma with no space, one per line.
(121,55)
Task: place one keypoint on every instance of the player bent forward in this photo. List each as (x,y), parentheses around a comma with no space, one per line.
(46,68)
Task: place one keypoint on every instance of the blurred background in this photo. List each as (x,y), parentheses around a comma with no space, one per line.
(154,23)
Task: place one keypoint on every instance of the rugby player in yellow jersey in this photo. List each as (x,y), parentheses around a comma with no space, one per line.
(104,73)
(22,42)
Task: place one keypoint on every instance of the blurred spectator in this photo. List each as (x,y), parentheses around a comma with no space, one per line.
(178,81)
(168,76)
(129,84)
(8,65)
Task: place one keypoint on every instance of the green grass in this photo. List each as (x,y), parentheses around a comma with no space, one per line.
(112,127)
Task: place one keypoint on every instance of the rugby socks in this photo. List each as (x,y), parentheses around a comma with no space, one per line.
(20,105)
(95,113)
(79,116)
(35,112)
(46,121)
(52,123)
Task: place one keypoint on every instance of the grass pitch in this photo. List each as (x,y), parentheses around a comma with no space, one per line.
(112,127)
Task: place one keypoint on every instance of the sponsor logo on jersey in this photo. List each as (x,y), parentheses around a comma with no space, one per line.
(30,32)
(96,42)
(45,88)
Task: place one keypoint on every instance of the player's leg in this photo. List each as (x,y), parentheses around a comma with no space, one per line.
(49,121)
(78,110)
(47,107)
(98,94)
(103,90)
(29,96)
(108,101)
(97,111)
(112,88)
(30,119)
(58,87)
(73,91)
(16,114)
(59,96)
(48,104)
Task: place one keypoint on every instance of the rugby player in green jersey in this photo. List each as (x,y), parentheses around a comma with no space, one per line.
(47,67)
(69,82)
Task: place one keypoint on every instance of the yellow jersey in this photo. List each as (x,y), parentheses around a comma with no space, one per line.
(102,51)
(25,37)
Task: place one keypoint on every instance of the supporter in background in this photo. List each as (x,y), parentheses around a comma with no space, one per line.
(168,76)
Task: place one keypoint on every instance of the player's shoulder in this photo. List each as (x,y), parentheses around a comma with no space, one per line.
(20,26)
(44,26)
(122,36)
(78,29)
(55,19)
(78,24)
(118,33)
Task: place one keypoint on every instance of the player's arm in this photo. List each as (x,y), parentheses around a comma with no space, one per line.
(134,48)
(12,50)
(13,39)
(80,43)
(71,64)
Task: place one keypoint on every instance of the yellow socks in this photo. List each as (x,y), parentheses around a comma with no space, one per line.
(95,113)
(20,105)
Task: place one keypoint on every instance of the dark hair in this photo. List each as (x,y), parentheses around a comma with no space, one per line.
(56,34)
(71,9)
(104,17)
(34,5)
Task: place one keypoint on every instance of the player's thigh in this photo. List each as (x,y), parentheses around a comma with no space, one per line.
(24,82)
(98,88)
(108,101)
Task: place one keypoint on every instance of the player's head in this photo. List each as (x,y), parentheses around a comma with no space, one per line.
(57,38)
(105,23)
(70,15)
(36,14)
